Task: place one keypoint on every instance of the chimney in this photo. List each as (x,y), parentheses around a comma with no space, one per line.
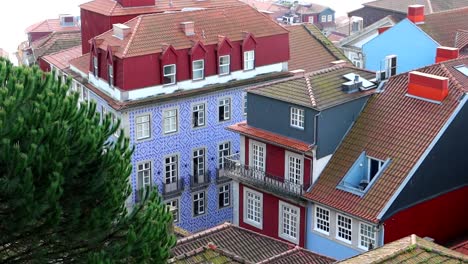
(446,53)
(416,14)
(383,29)
(121,30)
(67,20)
(427,86)
(188,28)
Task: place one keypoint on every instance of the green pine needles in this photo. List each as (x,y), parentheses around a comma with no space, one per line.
(63,183)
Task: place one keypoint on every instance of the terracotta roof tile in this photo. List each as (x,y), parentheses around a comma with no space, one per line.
(408,250)
(461,39)
(392,125)
(247,245)
(461,247)
(151,32)
(113,8)
(207,254)
(50,25)
(308,52)
(430,6)
(318,90)
(444,30)
(62,59)
(81,63)
(56,41)
(245,129)
(326,42)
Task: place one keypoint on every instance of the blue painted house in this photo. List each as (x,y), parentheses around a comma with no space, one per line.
(176,80)
(414,40)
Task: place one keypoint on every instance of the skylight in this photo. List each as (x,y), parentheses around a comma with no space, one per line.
(463,69)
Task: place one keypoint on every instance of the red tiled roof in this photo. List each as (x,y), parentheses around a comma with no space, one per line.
(151,32)
(461,39)
(81,63)
(49,25)
(444,30)
(430,6)
(307,52)
(62,59)
(392,125)
(462,247)
(113,8)
(57,41)
(244,129)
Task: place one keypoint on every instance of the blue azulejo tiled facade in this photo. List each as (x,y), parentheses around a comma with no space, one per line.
(173,143)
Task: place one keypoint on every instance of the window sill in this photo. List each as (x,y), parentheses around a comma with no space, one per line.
(169,84)
(321,232)
(294,240)
(254,224)
(297,127)
(141,140)
(224,121)
(253,69)
(344,240)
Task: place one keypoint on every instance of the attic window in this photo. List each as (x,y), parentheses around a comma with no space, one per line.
(463,69)
(362,174)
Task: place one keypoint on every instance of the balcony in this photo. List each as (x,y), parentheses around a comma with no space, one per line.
(260,179)
(173,189)
(198,182)
(220,177)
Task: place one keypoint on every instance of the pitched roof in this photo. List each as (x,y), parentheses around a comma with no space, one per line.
(265,6)
(62,59)
(314,31)
(430,6)
(50,25)
(308,52)
(250,246)
(151,32)
(409,250)
(56,41)
(207,254)
(367,32)
(388,113)
(310,8)
(461,247)
(318,90)
(461,39)
(81,63)
(113,8)
(444,30)
(253,132)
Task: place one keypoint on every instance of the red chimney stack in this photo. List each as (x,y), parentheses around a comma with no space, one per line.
(446,53)
(427,86)
(416,14)
(383,29)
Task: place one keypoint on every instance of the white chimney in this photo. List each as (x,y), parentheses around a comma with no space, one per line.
(188,28)
(121,30)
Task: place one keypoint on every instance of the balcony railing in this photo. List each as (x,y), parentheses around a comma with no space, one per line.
(173,189)
(248,174)
(199,181)
(221,177)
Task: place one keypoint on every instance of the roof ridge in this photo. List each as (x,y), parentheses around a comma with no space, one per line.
(311,92)
(204,233)
(447,11)
(255,87)
(132,37)
(452,78)
(285,253)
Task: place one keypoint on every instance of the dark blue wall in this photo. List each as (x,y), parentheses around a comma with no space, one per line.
(443,170)
(333,124)
(274,116)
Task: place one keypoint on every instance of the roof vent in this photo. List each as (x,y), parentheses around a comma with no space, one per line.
(188,28)
(428,87)
(416,14)
(353,85)
(121,31)
(446,53)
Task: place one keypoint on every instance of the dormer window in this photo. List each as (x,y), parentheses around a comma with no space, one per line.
(249,60)
(110,72)
(95,66)
(169,74)
(224,64)
(362,174)
(198,70)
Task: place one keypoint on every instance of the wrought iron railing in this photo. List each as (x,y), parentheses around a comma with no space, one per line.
(233,168)
(198,181)
(175,188)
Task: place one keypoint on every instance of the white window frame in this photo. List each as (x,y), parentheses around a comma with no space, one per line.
(310,19)
(173,171)
(223,152)
(281,220)
(95,66)
(225,65)
(249,60)
(244,103)
(110,75)
(199,108)
(175,210)
(252,161)
(329,18)
(366,236)
(323,19)
(338,226)
(369,160)
(225,103)
(172,76)
(201,203)
(287,167)
(84,93)
(246,219)
(225,192)
(319,209)
(199,157)
(114,121)
(170,121)
(198,70)
(143,127)
(297,117)
(147,168)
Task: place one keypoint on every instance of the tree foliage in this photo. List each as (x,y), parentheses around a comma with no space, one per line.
(63,183)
